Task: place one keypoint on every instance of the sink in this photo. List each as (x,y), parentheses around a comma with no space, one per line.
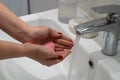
(89,63)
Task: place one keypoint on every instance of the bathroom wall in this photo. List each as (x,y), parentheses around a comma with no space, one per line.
(19,7)
(86,5)
(42,5)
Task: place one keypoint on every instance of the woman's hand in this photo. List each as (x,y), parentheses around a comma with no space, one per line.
(36,36)
(44,55)
(39,36)
(42,34)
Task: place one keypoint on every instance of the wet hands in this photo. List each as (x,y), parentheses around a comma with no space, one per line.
(46,53)
(51,47)
(42,34)
(60,50)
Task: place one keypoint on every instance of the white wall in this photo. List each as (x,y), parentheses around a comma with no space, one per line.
(42,5)
(19,7)
(86,5)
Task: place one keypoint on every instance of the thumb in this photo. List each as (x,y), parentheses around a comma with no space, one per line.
(56,56)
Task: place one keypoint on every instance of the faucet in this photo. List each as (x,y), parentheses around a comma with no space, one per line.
(109,24)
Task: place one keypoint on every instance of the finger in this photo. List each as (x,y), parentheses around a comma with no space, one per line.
(55,34)
(60,56)
(54,55)
(66,53)
(66,38)
(59,46)
(59,49)
(62,46)
(64,42)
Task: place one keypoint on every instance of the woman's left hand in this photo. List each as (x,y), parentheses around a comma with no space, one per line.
(42,34)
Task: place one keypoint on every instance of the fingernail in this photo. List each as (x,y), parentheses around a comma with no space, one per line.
(60,57)
(59,33)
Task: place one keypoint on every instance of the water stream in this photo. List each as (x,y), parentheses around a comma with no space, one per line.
(74,52)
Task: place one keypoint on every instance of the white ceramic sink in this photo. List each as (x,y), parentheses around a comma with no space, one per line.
(90,63)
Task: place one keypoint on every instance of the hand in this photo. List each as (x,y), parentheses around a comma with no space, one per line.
(44,55)
(61,51)
(42,34)
(36,36)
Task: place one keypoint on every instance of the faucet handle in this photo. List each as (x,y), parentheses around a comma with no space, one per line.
(108,9)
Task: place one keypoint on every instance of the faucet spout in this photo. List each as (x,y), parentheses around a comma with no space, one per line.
(94,26)
(103,24)
(110,24)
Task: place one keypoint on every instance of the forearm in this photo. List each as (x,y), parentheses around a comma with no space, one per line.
(12,25)
(11,50)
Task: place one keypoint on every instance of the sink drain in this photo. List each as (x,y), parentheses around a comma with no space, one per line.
(91,64)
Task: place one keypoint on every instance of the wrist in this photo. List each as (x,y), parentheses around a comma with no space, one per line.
(11,50)
(22,50)
(29,50)
(24,35)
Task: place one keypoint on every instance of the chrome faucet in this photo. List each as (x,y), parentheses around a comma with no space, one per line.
(110,24)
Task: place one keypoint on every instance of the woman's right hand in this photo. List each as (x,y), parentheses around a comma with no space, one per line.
(44,55)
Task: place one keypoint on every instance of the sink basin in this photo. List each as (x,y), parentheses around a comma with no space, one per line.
(89,62)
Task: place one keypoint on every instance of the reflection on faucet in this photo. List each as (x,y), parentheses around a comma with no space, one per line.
(110,24)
